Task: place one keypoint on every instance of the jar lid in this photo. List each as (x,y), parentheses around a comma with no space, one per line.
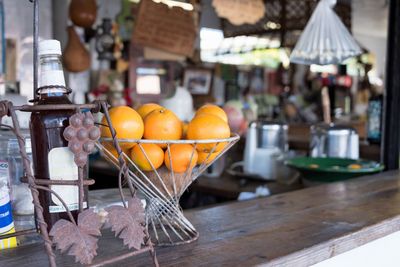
(9,142)
(50,47)
(13,146)
(268,125)
(332,129)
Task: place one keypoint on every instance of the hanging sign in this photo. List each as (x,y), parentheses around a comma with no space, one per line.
(171,29)
(239,12)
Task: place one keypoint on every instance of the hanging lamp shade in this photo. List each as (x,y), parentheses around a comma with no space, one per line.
(325,39)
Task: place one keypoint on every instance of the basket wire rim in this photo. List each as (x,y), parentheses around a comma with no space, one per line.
(234,137)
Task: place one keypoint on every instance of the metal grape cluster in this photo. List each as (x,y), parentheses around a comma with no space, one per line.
(81,135)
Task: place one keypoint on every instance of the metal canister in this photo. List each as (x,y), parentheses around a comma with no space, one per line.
(334,141)
(265,141)
(271,134)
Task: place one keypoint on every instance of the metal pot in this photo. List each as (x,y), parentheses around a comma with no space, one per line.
(328,140)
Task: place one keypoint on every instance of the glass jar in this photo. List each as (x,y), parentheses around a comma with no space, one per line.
(20,194)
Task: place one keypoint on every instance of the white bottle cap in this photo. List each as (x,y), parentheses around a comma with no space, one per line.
(49,47)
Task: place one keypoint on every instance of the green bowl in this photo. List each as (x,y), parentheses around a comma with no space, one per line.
(332,169)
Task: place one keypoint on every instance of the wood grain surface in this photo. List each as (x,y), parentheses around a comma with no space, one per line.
(292,229)
(230,187)
(226,186)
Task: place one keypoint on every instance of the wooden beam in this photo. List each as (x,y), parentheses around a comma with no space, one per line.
(391,112)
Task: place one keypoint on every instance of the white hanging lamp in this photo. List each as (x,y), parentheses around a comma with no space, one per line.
(325,39)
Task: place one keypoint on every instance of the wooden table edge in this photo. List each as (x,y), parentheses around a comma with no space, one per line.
(336,246)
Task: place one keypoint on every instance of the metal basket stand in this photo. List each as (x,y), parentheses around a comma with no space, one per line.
(162,188)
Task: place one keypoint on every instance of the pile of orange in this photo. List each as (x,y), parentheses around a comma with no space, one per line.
(153,122)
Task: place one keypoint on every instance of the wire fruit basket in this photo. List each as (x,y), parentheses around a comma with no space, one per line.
(162,187)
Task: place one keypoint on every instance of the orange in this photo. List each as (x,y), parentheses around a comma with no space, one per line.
(145,109)
(127,123)
(207,126)
(354,166)
(214,110)
(154,153)
(180,155)
(202,157)
(162,124)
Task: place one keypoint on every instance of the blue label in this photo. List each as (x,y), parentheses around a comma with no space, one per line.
(3,165)
(5,215)
(55,94)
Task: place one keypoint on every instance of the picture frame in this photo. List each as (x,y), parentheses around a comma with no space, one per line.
(198,81)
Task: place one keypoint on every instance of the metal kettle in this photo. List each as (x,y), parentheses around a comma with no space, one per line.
(329,140)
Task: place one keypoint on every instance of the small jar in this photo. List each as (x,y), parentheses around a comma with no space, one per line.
(21,198)
(20,194)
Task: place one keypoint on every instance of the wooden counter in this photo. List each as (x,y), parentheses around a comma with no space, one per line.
(229,187)
(226,186)
(300,228)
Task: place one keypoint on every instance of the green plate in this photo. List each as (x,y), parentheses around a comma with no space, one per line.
(332,169)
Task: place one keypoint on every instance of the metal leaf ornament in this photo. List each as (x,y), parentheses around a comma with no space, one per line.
(128,223)
(79,240)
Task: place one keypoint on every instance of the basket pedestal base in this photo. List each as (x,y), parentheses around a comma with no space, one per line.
(167,225)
